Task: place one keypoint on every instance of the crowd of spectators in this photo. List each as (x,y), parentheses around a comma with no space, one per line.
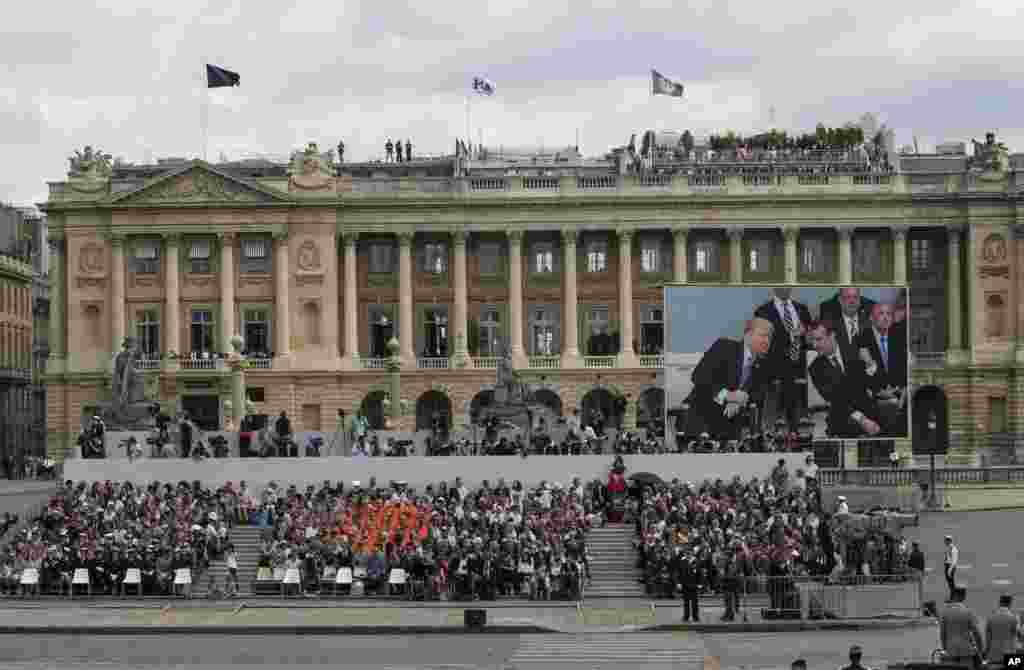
(496,540)
(763,535)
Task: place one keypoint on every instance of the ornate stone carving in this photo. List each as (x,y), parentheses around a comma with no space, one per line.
(406,239)
(845,232)
(308,256)
(515,236)
(625,235)
(311,170)
(790,233)
(92,259)
(569,237)
(90,165)
(991,160)
(198,185)
(734,233)
(459,238)
(900,232)
(993,249)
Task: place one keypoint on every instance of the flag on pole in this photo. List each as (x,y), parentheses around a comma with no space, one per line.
(218,77)
(661,85)
(483,86)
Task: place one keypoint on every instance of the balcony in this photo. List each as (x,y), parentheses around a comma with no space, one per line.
(486,363)
(147,364)
(545,362)
(598,362)
(198,363)
(260,363)
(656,361)
(432,363)
(373,363)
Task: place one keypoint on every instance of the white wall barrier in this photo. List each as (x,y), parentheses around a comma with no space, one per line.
(419,471)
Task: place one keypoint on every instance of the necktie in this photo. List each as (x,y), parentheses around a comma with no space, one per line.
(790,323)
(748,366)
(885,351)
(838,363)
(851,325)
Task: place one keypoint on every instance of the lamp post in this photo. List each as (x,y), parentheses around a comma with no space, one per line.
(934,434)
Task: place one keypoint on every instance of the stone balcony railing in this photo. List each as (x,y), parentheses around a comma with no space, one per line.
(147,364)
(433,363)
(598,362)
(652,361)
(261,363)
(545,362)
(485,363)
(197,363)
(373,363)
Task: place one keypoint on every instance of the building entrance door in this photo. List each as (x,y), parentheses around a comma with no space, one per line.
(204,410)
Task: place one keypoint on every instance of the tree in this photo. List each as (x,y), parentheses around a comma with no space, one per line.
(821,134)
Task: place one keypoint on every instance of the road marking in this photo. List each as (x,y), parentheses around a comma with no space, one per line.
(1000,565)
(1002,582)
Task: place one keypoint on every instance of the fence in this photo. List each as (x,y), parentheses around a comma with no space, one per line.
(911,476)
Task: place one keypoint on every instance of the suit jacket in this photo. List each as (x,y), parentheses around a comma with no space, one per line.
(847,347)
(721,368)
(1001,634)
(779,362)
(959,631)
(896,373)
(831,310)
(845,392)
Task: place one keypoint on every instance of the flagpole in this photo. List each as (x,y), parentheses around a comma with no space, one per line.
(469,138)
(204,109)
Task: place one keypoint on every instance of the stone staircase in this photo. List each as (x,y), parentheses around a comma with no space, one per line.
(613,563)
(247,546)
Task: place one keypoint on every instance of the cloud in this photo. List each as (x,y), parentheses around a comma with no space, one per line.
(128,76)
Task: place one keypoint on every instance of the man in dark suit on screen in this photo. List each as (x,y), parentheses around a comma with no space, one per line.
(729,377)
(883,349)
(841,382)
(850,314)
(787,357)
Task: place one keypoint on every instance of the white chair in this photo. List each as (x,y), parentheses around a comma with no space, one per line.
(183,578)
(29,580)
(279,574)
(397,578)
(80,578)
(359,573)
(132,577)
(291,578)
(344,578)
(264,574)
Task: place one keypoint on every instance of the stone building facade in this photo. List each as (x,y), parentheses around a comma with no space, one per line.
(17,406)
(319,265)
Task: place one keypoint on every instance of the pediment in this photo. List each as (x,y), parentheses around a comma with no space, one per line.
(198,182)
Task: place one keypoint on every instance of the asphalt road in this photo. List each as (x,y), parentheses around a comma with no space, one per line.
(457,652)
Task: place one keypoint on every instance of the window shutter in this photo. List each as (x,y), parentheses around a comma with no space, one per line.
(583,332)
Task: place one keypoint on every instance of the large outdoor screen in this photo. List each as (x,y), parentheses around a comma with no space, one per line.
(742,362)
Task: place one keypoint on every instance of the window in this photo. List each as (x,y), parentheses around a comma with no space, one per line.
(652,330)
(705,256)
(201,331)
(256,331)
(147,331)
(490,332)
(812,255)
(199,257)
(543,258)
(544,331)
(651,258)
(146,260)
(599,342)
(996,415)
(920,254)
(435,258)
(382,257)
(382,329)
(597,256)
(760,255)
(255,255)
(922,328)
(490,259)
(435,334)
(867,254)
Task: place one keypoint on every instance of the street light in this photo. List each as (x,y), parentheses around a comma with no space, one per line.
(934,434)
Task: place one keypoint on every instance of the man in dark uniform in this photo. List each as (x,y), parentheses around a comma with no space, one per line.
(855,655)
(689,580)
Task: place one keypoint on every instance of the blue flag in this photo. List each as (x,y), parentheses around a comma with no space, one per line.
(662,85)
(218,77)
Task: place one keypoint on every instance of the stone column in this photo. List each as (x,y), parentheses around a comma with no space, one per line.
(172,317)
(570,345)
(899,254)
(790,235)
(735,255)
(679,253)
(1018,284)
(282,316)
(627,354)
(515,298)
(348,241)
(117,327)
(406,320)
(235,343)
(954,307)
(57,323)
(845,237)
(461,330)
(227,289)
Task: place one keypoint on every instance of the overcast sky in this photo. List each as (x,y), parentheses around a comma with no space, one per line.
(127,76)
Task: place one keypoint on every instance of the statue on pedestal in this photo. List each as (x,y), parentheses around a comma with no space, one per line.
(129,407)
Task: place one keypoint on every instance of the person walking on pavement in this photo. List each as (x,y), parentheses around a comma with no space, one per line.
(916,564)
(1002,632)
(949,563)
(959,634)
(855,655)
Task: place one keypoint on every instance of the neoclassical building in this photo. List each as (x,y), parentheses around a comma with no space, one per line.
(18,408)
(319,265)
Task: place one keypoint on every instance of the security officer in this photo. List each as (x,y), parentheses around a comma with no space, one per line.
(689,581)
(855,655)
(959,633)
